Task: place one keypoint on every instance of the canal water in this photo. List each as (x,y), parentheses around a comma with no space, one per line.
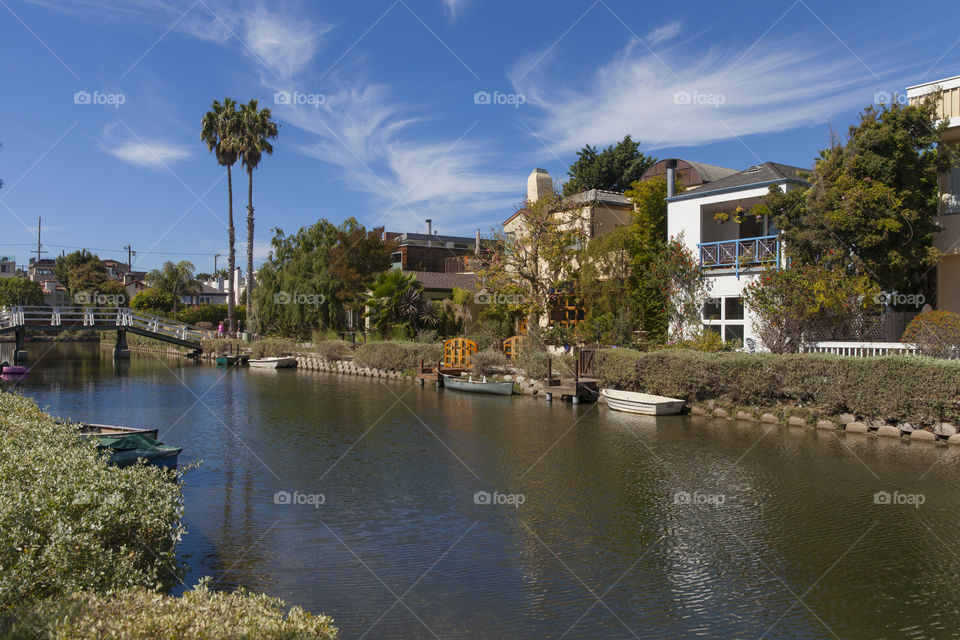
(408,512)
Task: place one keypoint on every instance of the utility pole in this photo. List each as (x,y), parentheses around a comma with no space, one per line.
(39,244)
(215,256)
(130,254)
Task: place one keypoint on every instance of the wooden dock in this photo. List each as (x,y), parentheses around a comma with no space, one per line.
(576,391)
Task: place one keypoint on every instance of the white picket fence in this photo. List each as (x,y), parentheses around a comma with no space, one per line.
(860,349)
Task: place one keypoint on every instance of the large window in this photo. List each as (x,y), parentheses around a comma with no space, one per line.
(725,316)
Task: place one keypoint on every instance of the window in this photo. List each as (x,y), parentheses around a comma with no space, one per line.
(733,333)
(711,309)
(952,197)
(711,328)
(733,308)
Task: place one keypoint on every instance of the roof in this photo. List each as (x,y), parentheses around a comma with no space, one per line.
(593,196)
(928,87)
(703,172)
(206,289)
(600,196)
(756,176)
(425,237)
(434,280)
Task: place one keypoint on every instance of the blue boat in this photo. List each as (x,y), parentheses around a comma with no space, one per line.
(127,449)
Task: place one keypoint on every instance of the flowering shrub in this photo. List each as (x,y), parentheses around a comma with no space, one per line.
(935,334)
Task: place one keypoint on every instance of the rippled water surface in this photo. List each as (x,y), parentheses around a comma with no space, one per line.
(629,526)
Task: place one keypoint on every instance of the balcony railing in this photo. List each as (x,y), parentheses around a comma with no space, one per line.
(739,254)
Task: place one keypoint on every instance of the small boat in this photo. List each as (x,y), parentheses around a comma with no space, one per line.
(88,429)
(477,386)
(126,449)
(13,370)
(643,403)
(286,362)
(227,361)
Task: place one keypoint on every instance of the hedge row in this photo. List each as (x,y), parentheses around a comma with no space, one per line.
(908,388)
(396,355)
(139,614)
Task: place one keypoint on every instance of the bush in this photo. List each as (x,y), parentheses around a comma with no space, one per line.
(910,388)
(397,355)
(134,614)
(935,334)
(272,347)
(487,362)
(333,350)
(69,522)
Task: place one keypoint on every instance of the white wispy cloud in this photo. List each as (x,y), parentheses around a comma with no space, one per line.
(117,140)
(664,33)
(284,43)
(454,7)
(711,95)
(382,151)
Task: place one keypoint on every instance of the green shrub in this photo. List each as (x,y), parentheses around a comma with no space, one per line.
(69,522)
(935,334)
(488,361)
(272,347)
(135,614)
(397,355)
(333,350)
(911,388)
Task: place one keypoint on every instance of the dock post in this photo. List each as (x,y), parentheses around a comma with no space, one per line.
(549,397)
(20,349)
(121,350)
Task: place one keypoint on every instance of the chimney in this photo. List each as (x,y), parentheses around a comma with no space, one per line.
(429,227)
(539,184)
(476,248)
(671,177)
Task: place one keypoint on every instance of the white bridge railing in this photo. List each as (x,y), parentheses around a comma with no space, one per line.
(120,317)
(860,349)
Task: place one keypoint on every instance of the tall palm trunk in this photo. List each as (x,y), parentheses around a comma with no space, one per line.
(249,247)
(232,258)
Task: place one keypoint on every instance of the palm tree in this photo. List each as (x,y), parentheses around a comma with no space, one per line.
(396,299)
(256,131)
(175,279)
(219,129)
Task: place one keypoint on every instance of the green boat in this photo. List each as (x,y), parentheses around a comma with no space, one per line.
(227,361)
(126,449)
(458,383)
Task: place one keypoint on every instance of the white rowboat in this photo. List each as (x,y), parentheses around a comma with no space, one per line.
(288,362)
(644,403)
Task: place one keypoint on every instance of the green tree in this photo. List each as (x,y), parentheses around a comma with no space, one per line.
(153,300)
(256,130)
(80,271)
(20,292)
(613,169)
(872,200)
(177,279)
(220,131)
(396,302)
(358,255)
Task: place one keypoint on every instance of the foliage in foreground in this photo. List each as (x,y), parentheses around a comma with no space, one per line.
(395,355)
(935,333)
(69,522)
(910,388)
(135,614)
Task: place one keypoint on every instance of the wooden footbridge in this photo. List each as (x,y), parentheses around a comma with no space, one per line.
(18,320)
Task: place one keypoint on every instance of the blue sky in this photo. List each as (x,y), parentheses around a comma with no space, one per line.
(387,120)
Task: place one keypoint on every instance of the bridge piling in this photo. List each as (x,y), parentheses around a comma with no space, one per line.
(121,350)
(20,349)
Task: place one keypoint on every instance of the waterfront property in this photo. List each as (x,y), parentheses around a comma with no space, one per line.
(731,251)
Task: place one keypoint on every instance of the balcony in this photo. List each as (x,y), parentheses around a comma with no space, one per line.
(740,254)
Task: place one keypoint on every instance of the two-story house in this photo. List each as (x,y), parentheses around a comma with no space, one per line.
(8,267)
(948,240)
(731,253)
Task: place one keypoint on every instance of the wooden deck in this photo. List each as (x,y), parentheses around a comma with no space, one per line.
(584,390)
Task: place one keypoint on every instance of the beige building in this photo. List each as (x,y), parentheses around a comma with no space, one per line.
(948,240)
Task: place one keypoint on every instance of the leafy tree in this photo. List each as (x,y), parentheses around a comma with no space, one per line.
(153,300)
(792,306)
(395,301)
(356,257)
(539,258)
(20,292)
(677,273)
(871,204)
(220,129)
(177,279)
(80,271)
(613,169)
(256,130)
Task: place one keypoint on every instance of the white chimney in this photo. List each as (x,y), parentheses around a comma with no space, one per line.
(429,227)
(539,184)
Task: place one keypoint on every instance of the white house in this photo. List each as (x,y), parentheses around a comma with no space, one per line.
(731,254)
